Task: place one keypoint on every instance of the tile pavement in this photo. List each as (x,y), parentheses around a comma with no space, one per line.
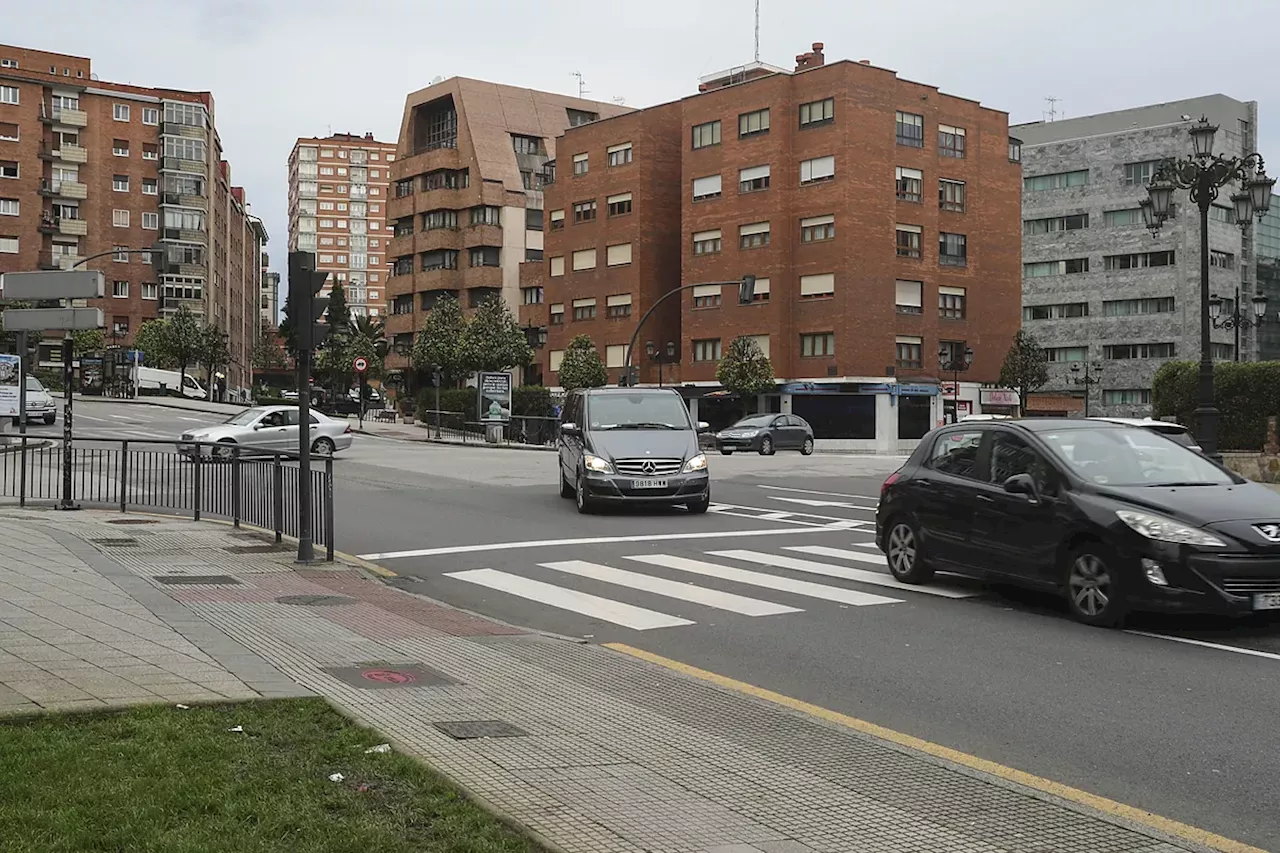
(616,755)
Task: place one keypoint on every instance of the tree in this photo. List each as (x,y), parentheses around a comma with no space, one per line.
(213,352)
(582,366)
(266,354)
(374,330)
(1025,367)
(87,341)
(438,345)
(338,318)
(183,341)
(9,340)
(493,340)
(152,340)
(745,370)
(288,326)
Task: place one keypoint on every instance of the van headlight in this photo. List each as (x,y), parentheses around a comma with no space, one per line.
(596,464)
(697,463)
(1162,529)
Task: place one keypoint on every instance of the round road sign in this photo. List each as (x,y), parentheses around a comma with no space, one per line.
(361,364)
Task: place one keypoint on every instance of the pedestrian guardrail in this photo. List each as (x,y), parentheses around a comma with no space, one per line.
(252,486)
(521,430)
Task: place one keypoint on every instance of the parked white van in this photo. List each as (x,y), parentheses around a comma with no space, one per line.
(168,381)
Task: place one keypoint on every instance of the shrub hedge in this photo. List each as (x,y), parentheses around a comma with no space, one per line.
(1247,393)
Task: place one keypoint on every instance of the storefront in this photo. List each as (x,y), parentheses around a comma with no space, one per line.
(998,401)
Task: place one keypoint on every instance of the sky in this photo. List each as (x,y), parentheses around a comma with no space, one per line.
(280,69)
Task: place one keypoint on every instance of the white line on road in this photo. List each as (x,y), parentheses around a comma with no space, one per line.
(774,582)
(879,577)
(567,599)
(794,517)
(842,572)
(193,420)
(815,492)
(672,589)
(1206,644)
(811,502)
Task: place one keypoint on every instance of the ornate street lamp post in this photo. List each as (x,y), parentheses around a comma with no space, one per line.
(1238,318)
(1203,173)
(955,362)
(1088,380)
(652,351)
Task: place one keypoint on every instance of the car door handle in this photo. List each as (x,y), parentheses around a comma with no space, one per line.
(986,499)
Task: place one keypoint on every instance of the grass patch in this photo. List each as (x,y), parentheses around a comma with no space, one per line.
(165,780)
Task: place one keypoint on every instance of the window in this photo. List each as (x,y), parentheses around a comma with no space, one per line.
(8,131)
(10,207)
(749,124)
(1222,352)
(120,147)
(150,221)
(909,351)
(910,129)
(753,236)
(707,134)
(431,220)
(706,188)
(8,245)
(753,179)
(818,345)
(1139,174)
(532,180)
(120,289)
(556,266)
(1059,311)
(580,117)
(1126,397)
(185,148)
(706,296)
(1058,355)
(1011,456)
(956,454)
(486,215)
(762,291)
(617,306)
(951,303)
(150,115)
(526,144)
(1054,224)
(909,298)
(706,242)
(619,205)
(580,164)
(326,205)
(618,155)
(150,151)
(618,256)
(8,94)
(817,169)
(120,112)
(531,295)
(120,218)
(816,229)
(9,169)
(441,259)
(1015,150)
(584,259)
(1041,269)
(557,220)
(149,186)
(1140,260)
(1133,307)
(952,250)
(908,241)
(532,219)
(326,223)
(584,211)
(557,315)
(120,183)
(1217,212)
(584,309)
(820,286)
(951,195)
(150,290)
(817,112)
(1057,181)
(910,184)
(706,349)
(1222,260)
(615,355)
(950,141)
(1129,351)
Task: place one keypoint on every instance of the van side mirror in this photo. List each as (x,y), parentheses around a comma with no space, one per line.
(1022,484)
(570,428)
(703,426)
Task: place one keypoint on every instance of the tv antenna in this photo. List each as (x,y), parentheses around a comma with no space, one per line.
(619,100)
(757,30)
(582,86)
(1051,113)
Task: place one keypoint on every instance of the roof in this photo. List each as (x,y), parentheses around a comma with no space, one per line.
(629,390)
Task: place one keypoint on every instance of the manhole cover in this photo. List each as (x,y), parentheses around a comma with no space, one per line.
(472,729)
(257,549)
(196,580)
(133,521)
(315,600)
(115,543)
(389,676)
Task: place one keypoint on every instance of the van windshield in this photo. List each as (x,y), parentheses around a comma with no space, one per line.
(637,411)
(33,384)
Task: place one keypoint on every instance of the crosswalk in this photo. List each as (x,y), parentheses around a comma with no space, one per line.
(790,575)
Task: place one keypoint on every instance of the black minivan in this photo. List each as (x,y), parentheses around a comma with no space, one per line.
(631,445)
(1114,517)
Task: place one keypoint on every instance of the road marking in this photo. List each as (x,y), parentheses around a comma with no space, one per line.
(672,589)
(774,582)
(843,572)
(603,540)
(567,599)
(1208,645)
(193,420)
(841,554)
(794,516)
(812,502)
(815,492)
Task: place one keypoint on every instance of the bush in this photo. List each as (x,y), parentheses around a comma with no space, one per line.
(274,401)
(532,401)
(451,400)
(1247,393)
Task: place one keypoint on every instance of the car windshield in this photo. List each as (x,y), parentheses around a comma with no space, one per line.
(1124,456)
(637,411)
(756,421)
(246,417)
(33,384)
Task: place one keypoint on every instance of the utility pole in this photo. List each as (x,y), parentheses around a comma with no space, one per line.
(757,30)
(305,283)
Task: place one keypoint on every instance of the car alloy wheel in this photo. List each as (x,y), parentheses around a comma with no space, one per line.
(225,451)
(322,447)
(580,495)
(1093,589)
(807,447)
(905,562)
(766,446)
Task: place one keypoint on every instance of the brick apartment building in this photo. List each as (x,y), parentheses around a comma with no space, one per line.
(880,216)
(338,194)
(88,167)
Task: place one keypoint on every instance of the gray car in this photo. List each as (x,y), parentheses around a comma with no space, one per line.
(269,429)
(767,434)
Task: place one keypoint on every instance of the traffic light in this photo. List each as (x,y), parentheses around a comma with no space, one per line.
(747,290)
(305,284)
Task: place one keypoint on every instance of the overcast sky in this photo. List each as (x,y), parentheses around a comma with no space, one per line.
(280,69)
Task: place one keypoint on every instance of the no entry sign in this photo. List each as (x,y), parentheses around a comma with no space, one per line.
(361,364)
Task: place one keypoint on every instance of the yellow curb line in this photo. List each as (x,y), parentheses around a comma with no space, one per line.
(1101,804)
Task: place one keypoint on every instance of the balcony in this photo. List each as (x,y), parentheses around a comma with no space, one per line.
(482,276)
(72,227)
(58,262)
(61,115)
(48,225)
(173,128)
(171,304)
(185,235)
(63,189)
(182,200)
(65,153)
(177,164)
(482,235)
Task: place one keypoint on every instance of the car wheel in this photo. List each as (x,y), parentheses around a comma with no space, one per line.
(566,490)
(322,447)
(50,419)
(906,563)
(724,451)
(1094,596)
(766,446)
(807,447)
(586,505)
(225,451)
(701,505)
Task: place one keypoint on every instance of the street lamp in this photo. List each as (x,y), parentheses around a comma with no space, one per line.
(746,295)
(1238,318)
(951,359)
(652,351)
(1088,380)
(1203,173)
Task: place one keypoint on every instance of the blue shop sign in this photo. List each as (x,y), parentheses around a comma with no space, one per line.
(918,390)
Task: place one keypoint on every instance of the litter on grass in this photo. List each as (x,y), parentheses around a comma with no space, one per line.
(336,777)
(382,747)
(236,729)
(182,707)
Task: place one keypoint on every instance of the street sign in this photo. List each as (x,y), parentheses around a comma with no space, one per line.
(10,385)
(53,284)
(361,364)
(43,319)
(494,392)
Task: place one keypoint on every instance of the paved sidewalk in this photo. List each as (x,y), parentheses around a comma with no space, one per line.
(591,749)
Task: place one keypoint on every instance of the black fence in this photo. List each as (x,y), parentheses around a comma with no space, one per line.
(254,487)
(524,430)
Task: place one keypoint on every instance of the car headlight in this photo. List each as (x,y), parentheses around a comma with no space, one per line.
(1163,529)
(595,463)
(697,463)
(749,433)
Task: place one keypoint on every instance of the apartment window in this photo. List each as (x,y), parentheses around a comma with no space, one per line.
(1217,212)
(584,211)
(909,129)
(531,295)
(618,255)
(325,259)
(1126,397)
(950,141)
(486,215)
(584,309)
(1056,181)
(1122,352)
(120,147)
(8,94)
(817,112)
(526,144)
(8,245)
(908,238)
(706,242)
(184,148)
(1139,174)
(707,134)
(1139,260)
(150,221)
(753,179)
(910,184)
(8,168)
(10,207)
(706,188)
(1222,260)
(441,259)
(8,131)
(951,303)
(749,124)
(557,314)
(617,306)
(1015,150)
(431,220)
(909,298)
(817,169)
(579,117)
(706,349)
(555,266)
(619,205)
(618,155)
(326,205)
(120,183)
(1040,269)
(120,289)
(818,345)
(150,115)
(342,205)
(532,219)
(580,164)
(952,250)
(149,186)
(706,296)
(120,218)
(820,286)
(531,180)
(1222,352)
(150,151)
(909,351)
(951,195)
(816,229)
(150,290)
(120,112)
(1137,307)
(404,188)
(1074,222)
(584,259)
(1059,311)
(557,220)
(753,236)
(762,291)
(326,223)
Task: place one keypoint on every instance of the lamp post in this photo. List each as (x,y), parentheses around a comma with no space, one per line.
(1088,380)
(955,362)
(1238,319)
(1203,173)
(746,294)
(652,351)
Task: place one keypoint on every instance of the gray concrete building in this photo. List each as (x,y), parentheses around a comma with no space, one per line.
(1098,289)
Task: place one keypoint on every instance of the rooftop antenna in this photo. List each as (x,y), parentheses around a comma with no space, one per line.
(757,30)
(582,86)
(618,99)
(1051,113)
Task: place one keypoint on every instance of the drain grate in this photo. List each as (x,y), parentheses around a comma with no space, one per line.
(196,580)
(473,729)
(257,549)
(316,600)
(115,542)
(390,676)
(133,521)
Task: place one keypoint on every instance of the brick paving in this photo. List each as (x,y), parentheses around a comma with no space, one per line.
(607,753)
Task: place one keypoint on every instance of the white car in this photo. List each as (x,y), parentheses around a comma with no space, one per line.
(41,407)
(1176,432)
(269,429)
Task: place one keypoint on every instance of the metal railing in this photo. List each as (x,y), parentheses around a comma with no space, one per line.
(522,430)
(251,486)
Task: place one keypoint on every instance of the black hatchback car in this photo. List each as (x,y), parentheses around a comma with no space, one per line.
(1114,517)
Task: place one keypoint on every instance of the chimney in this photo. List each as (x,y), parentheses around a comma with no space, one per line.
(368,136)
(864,61)
(812,59)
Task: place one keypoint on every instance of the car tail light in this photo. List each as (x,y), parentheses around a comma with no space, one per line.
(890,480)
(347,431)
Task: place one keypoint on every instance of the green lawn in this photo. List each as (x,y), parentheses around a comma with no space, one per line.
(165,780)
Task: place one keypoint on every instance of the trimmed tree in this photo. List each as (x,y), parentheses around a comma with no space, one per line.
(493,340)
(152,340)
(1025,367)
(439,342)
(213,353)
(267,354)
(288,326)
(184,341)
(87,341)
(582,366)
(745,370)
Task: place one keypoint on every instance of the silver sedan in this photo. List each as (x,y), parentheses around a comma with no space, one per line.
(265,429)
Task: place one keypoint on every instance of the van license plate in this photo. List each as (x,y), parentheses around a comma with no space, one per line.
(662,484)
(1267,601)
